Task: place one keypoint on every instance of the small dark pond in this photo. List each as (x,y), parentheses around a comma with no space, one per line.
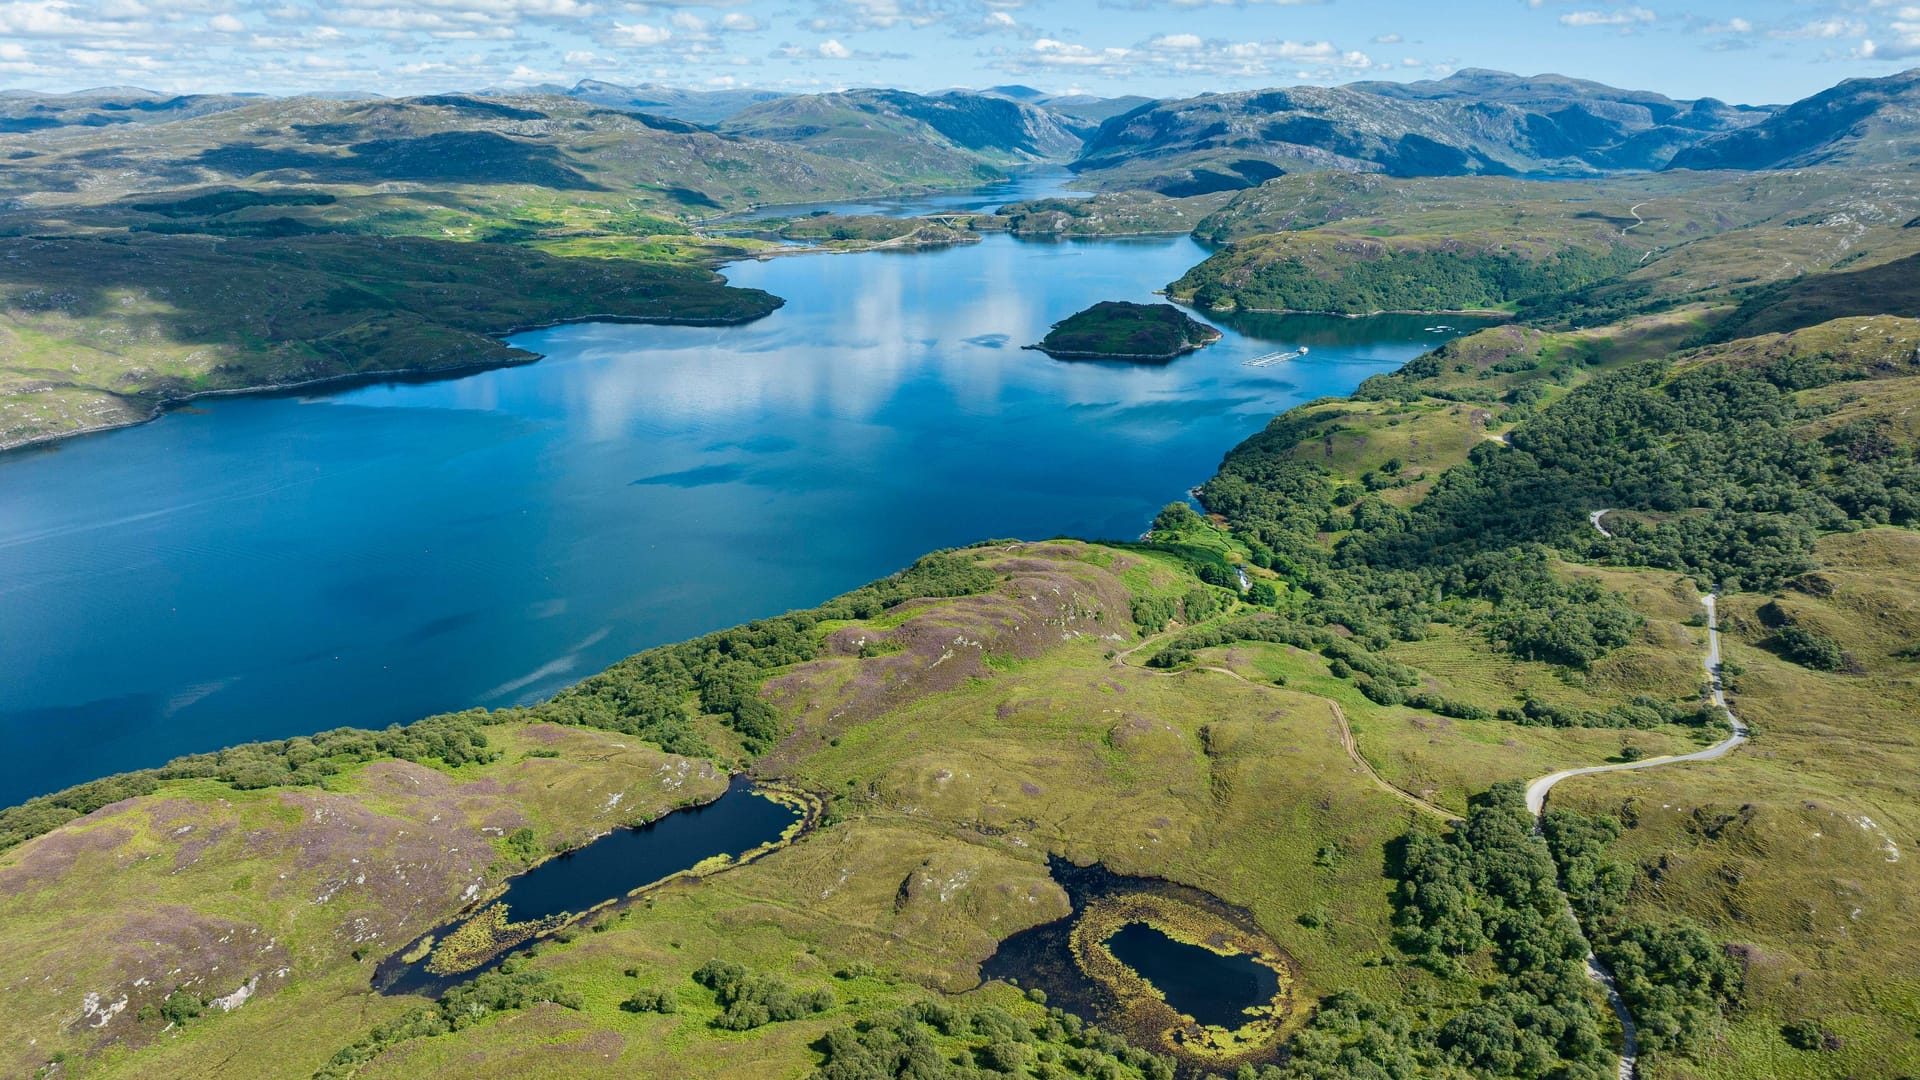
(608,869)
(625,859)
(1211,988)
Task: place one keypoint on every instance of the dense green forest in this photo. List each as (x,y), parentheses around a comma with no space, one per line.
(1393,280)
(1736,493)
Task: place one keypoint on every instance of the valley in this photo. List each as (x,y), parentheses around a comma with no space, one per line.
(1563,619)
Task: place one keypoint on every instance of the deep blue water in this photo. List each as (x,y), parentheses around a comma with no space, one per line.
(1211,988)
(259,567)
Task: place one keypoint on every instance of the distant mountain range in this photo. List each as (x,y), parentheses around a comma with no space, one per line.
(1471,123)
(23,111)
(1083,107)
(695,106)
(1859,122)
(913,132)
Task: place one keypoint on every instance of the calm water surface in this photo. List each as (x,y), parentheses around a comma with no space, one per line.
(1211,988)
(261,567)
(611,867)
(625,859)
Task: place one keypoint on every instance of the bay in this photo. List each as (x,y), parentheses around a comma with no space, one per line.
(265,566)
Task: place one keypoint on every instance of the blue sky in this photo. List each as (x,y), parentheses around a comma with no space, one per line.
(1753,51)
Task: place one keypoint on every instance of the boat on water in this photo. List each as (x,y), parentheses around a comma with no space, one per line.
(1275,357)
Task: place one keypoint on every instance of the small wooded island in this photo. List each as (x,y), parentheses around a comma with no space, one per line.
(1120,330)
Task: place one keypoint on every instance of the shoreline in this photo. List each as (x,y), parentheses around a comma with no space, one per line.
(161,406)
(1478,313)
(1133,358)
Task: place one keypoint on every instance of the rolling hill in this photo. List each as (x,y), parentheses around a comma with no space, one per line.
(1859,122)
(912,135)
(1473,122)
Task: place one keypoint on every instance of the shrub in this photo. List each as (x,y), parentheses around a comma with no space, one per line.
(652,1001)
(751,999)
(1809,649)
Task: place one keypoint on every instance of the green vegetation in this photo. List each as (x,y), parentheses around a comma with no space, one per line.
(845,233)
(1568,255)
(471,1002)
(1336,747)
(751,999)
(452,740)
(1122,330)
(649,694)
(935,1041)
(103,330)
(1126,213)
(262,243)
(1714,447)
(1676,980)
(652,1001)
(1283,273)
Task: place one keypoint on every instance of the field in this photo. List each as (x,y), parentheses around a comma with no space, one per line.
(1309,703)
(1799,849)
(959,742)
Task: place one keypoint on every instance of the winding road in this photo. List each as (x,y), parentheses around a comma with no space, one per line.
(1538,791)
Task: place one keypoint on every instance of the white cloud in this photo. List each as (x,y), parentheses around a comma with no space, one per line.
(640,35)
(833,50)
(1827,29)
(855,15)
(1902,42)
(739,22)
(227,24)
(1628,16)
(1387,39)
(1189,55)
(59,19)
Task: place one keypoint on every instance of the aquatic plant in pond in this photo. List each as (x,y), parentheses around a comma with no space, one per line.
(1229,1030)
(1096,963)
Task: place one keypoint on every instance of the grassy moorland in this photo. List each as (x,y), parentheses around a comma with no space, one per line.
(1316,703)
(1405,647)
(958,740)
